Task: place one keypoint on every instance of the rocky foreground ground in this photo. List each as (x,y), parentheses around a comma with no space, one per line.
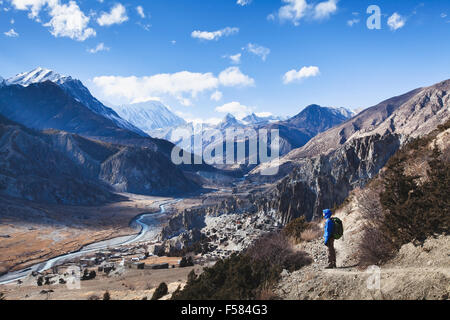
(416,273)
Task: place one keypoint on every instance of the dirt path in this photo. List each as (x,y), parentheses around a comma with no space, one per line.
(416,273)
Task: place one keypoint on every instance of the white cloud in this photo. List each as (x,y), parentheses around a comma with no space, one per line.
(117,15)
(141,88)
(100,47)
(214,35)
(293,11)
(352,22)
(140,11)
(443,15)
(11,33)
(260,51)
(216,96)
(296,10)
(243,2)
(34,6)
(236,109)
(396,21)
(177,85)
(235,59)
(67,20)
(303,73)
(233,77)
(324,9)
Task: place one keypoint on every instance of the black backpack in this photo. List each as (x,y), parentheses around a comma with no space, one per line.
(338,228)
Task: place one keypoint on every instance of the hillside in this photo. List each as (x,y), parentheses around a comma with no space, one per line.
(404,238)
(323,172)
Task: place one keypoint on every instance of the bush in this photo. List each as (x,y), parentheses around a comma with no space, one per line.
(375,246)
(416,211)
(186,262)
(313,232)
(244,276)
(160,292)
(88,275)
(106,296)
(295,228)
(2,296)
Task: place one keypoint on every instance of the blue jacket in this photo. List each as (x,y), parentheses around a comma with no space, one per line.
(329,225)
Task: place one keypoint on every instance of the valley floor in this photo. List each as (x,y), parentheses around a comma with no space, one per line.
(31,233)
(126,284)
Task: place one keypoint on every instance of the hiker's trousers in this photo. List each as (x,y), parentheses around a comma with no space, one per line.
(331,252)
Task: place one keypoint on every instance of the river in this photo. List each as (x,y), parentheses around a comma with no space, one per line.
(149,224)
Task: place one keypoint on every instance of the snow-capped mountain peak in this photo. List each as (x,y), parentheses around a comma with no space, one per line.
(150,115)
(36,76)
(2,82)
(75,89)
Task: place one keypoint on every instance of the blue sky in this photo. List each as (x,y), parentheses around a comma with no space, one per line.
(287,53)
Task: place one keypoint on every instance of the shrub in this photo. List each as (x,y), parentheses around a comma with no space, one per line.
(2,296)
(295,228)
(376,245)
(160,292)
(244,276)
(94,297)
(186,262)
(88,275)
(106,296)
(313,232)
(416,211)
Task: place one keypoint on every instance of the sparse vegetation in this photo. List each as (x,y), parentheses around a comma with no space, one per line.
(88,275)
(295,228)
(415,211)
(186,262)
(2,296)
(160,292)
(245,275)
(106,296)
(377,246)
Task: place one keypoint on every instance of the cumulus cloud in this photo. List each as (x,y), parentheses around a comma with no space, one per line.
(236,109)
(175,84)
(352,22)
(216,96)
(324,9)
(181,85)
(303,73)
(214,35)
(140,11)
(258,50)
(67,20)
(11,33)
(235,59)
(117,15)
(396,21)
(233,77)
(243,2)
(296,10)
(100,47)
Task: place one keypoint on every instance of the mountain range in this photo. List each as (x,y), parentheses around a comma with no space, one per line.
(322,173)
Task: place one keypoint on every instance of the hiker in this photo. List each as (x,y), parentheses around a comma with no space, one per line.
(329,238)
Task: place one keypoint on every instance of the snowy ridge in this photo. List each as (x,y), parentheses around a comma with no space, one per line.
(76,89)
(149,116)
(38,75)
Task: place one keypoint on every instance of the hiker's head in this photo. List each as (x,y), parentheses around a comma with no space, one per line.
(327,213)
